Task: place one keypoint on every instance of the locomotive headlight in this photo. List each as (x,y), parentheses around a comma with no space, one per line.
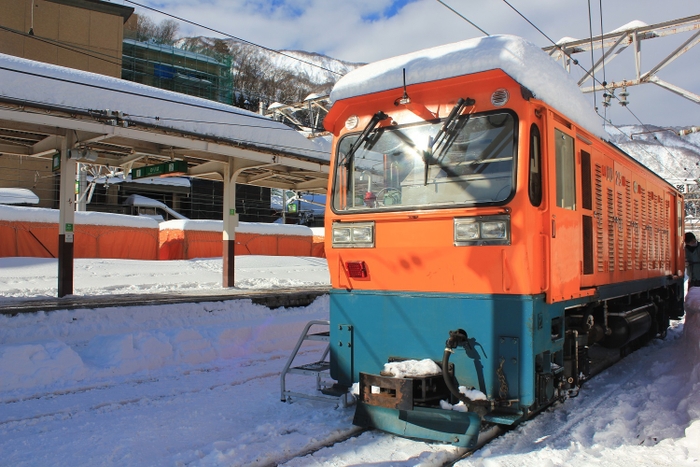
(493,229)
(353,235)
(342,235)
(362,234)
(482,230)
(466,230)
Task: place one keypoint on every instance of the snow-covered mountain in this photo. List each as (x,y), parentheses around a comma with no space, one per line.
(675,158)
(317,68)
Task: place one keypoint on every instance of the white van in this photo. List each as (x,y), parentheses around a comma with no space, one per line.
(18,197)
(144,206)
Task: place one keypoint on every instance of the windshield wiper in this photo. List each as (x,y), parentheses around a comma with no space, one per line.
(447,131)
(445,135)
(376,118)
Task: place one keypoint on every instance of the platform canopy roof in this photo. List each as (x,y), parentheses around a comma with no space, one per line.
(121,124)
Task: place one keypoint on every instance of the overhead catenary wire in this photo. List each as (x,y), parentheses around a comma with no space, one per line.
(108,58)
(602,47)
(642,148)
(196,203)
(462,16)
(575,62)
(112,59)
(119,61)
(163,99)
(97,114)
(194,23)
(602,42)
(590,32)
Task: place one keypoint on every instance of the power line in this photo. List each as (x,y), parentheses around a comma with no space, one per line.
(114,60)
(532,24)
(575,62)
(590,32)
(194,23)
(602,42)
(76,49)
(281,147)
(95,114)
(632,140)
(67,46)
(602,48)
(132,93)
(461,16)
(122,63)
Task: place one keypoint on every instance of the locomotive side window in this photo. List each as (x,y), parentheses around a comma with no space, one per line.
(565,168)
(535,182)
(586,184)
(587,203)
(423,166)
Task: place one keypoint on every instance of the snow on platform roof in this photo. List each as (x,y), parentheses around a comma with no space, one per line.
(520,59)
(42,84)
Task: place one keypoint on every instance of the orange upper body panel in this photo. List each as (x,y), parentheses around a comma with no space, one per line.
(629,228)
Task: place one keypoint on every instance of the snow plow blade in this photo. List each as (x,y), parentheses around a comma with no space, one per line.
(429,424)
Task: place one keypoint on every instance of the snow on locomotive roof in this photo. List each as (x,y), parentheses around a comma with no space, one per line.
(520,59)
(52,85)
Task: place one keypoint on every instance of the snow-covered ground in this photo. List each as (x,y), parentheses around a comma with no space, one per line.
(198,384)
(38,277)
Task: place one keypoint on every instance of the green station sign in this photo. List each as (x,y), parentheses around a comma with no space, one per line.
(158,170)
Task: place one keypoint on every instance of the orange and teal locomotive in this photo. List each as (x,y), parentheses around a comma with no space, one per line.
(477,217)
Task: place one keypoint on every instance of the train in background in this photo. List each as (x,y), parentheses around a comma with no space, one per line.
(477,217)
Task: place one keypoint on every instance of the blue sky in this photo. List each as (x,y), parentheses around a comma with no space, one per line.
(392,10)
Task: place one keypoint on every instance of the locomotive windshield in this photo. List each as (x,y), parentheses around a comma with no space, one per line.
(406,167)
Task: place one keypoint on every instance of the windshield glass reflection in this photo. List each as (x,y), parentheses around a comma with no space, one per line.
(395,168)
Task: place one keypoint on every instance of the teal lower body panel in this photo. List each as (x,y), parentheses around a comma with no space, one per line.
(447,426)
(368,329)
(506,334)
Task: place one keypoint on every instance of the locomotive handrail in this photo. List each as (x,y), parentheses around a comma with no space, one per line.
(302,338)
(547,257)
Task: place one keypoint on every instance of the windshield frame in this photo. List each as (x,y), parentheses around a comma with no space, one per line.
(336,169)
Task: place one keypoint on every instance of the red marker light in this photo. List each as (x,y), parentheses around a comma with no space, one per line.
(356,269)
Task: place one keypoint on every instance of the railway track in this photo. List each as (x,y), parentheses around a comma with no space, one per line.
(272,298)
(339,450)
(334,452)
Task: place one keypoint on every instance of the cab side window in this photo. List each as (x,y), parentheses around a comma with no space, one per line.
(535,177)
(565,168)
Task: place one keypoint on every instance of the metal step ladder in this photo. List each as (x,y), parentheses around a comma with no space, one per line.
(317,369)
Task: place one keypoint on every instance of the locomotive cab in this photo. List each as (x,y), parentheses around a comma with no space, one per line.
(473,224)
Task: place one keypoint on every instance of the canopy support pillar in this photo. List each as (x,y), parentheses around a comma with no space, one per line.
(230,223)
(66,218)
(231,171)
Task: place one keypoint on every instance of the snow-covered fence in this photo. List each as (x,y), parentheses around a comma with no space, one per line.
(29,231)
(33,232)
(187,239)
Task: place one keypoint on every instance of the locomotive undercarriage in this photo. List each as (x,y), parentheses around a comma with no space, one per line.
(600,333)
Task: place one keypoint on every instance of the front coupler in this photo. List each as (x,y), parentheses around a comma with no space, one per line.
(406,407)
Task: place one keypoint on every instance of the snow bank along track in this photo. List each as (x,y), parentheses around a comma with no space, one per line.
(273,298)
